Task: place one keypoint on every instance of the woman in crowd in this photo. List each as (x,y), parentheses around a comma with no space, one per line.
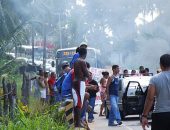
(102,94)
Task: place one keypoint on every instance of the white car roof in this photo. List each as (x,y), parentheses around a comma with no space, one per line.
(143,80)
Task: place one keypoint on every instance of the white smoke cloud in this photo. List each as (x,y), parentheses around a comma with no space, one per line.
(109,25)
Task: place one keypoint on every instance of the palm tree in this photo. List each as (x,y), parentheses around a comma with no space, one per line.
(11,25)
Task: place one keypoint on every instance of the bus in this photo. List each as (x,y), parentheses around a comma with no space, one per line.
(26,51)
(66,55)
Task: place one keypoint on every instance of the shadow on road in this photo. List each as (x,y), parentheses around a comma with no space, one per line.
(131,119)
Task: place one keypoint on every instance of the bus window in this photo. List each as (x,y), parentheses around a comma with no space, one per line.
(59,63)
(65,53)
(91,61)
(68,53)
(91,53)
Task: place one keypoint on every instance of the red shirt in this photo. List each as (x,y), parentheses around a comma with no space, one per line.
(51,83)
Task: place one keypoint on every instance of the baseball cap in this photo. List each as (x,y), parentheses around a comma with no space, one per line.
(83,44)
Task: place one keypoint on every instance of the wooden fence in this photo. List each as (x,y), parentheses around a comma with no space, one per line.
(8,95)
(8,98)
(26,87)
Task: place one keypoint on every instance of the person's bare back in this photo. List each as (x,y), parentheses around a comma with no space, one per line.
(80,70)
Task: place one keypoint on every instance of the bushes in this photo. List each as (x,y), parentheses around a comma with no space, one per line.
(39,117)
(50,119)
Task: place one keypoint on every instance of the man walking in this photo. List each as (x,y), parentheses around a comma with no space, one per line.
(112,93)
(159,87)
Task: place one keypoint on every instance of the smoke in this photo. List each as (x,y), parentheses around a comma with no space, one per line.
(132,46)
(109,26)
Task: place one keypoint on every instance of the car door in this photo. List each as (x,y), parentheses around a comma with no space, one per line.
(133,98)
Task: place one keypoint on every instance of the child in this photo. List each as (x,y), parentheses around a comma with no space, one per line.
(102,94)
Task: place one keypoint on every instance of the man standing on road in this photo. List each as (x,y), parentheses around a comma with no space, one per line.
(112,93)
(159,87)
(92,89)
(81,73)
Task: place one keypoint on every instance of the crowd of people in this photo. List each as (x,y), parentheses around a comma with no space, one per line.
(142,71)
(83,88)
(76,82)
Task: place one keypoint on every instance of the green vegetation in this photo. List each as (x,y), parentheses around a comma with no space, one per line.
(9,66)
(37,116)
(50,119)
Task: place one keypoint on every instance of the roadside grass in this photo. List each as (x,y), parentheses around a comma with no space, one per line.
(38,116)
(33,122)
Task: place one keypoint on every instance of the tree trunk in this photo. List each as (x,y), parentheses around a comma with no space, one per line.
(26,88)
(0,106)
(11,103)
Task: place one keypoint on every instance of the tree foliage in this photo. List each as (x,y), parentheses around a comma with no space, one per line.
(12,23)
(107,24)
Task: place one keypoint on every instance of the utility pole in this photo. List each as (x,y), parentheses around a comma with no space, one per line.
(32,45)
(60,31)
(44,49)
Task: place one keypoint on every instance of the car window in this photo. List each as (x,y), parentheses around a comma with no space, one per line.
(132,89)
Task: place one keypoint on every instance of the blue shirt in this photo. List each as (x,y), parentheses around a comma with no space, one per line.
(67,85)
(75,57)
(59,82)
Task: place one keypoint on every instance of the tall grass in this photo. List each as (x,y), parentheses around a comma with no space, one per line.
(39,116)
(46,118)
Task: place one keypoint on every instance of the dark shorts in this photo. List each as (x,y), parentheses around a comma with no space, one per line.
(160,121)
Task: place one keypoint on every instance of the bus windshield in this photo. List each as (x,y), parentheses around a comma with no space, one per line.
(66,55)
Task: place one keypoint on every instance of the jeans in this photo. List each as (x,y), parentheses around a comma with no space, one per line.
(114,111)
(84,109)
(58,97)
(92,104)
(68,96)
